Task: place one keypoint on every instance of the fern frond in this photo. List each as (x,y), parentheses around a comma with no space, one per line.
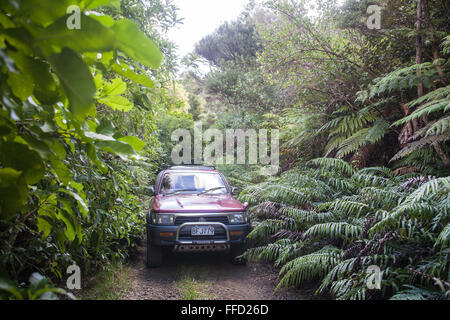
(414,293)
(309,267)
(332,163)
(269,252)
(415,145)
(333,230)
(386,172)
(439,127)
(378,130)
(347,207)
(443,239)
(353,143)
(437,189)
(268,227)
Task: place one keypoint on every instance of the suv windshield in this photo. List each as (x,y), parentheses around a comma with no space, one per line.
(192,182)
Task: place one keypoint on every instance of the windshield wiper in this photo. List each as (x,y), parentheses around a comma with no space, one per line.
(212,189)
(180,190)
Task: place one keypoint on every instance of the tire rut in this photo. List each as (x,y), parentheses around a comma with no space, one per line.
(206,276)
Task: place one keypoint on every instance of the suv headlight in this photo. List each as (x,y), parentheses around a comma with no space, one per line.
(162,218)
(236,218)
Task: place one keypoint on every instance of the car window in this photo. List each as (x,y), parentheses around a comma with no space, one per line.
(192,182)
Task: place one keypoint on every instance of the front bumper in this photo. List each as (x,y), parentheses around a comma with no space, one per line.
(172,236)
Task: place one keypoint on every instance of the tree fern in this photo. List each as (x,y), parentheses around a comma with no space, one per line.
(332,164)
(353,219)
(333,230)
(308,267)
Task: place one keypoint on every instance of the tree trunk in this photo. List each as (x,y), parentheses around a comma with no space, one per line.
(434,46)
(419,47)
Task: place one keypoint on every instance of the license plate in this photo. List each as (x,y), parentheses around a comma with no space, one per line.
(202,231)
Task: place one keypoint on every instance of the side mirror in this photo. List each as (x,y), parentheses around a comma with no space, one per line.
(150,191)
(234,190)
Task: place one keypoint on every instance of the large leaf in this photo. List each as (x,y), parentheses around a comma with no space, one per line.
(76,80)
(13,192)
(117,103)
(47,11)
(21,85)
(38,77)
(115,87)
(136,143)
(122,149)
(135,44)
(93,36)
(125,71)
(92,4)
(19,157)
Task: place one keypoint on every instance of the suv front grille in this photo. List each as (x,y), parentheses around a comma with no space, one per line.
(183,219)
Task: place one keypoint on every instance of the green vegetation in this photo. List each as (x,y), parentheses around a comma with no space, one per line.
(373,102)
(329,222)
(78,133)
(112,284)
(192,289)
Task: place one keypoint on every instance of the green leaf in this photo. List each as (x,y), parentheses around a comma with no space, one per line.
(117,103)
(66,216)
(136,143)
(47,11)
(13,192)
(19,157)
(135,44)
(104,19)
(93,36)
(98,136)
(106,127)
(92,4)
(61,169)
(44,224)
(7,128)
(9,286)
(81,203)
(117,147)
(115,87)
(21,85)
(76,80)
(125,71)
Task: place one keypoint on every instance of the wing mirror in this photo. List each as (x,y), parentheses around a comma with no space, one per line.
(150,191)
(234,190)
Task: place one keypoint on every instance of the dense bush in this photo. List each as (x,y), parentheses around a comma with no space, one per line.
(70,179)
(326,221)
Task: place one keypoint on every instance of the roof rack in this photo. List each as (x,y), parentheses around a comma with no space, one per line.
(189,166)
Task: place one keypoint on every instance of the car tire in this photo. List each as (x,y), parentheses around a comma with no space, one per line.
(235,252)
(154,256)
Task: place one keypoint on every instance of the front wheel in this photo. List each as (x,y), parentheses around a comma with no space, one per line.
(235,252)
(154,256)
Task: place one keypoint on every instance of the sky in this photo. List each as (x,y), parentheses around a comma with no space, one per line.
(201,17)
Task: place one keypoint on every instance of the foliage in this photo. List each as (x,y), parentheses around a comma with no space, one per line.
(39,289)
(325,221)
(360,84)
(76,132)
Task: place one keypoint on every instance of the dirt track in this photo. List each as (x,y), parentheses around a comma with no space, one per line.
(206,276)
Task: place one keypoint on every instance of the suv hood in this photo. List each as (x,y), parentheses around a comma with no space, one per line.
(196,203)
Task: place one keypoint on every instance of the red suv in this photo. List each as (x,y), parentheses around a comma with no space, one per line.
(193,209)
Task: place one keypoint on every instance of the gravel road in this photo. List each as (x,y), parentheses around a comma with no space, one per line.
(206,276)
